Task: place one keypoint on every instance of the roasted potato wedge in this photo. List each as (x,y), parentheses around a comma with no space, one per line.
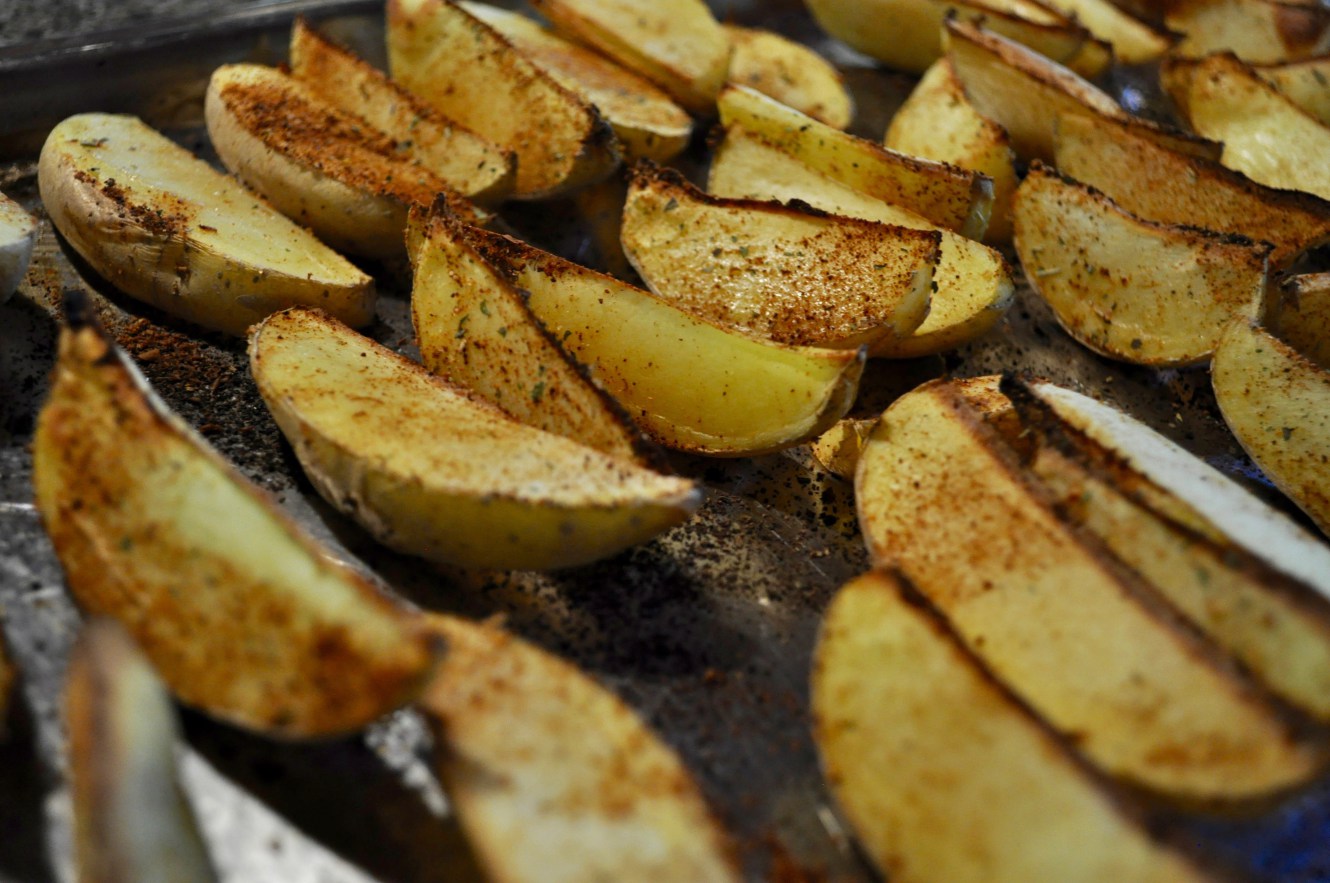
(554,778)
(167,229)
(469,72)
(758,396)
(240,613)
(1133,41)
(473,166)
(1306,83)
(646,120)
(778,272)
(941,496)
(973,283)
(1026,93)
(913,41)
(132,821)
(1130,289)
(1159,184)
(837,450)
(475,331)
(1266,137)
(325,169)
(1256,30)
(1301,316)
(954,198)
(942,773)
(542,502)
(789,72)
(18,234)
(677,44)
(938,122)
(1277,403)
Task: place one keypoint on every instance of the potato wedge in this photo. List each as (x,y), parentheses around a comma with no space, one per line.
(1266,137)
(913,41)
(132,821)
(554,778)
(325,169)
(789,72)
(467,71)
(938,122)
(758,397)
(973,282)
(1256,30)
(954,198)
(1133,41)
(1306,83)
(677,44)
(1277,403)
(1134,290)
(837,450)
(778,272)
(941,496)
(475,331)
(646,120)
(169,230)
(538,501)
(1301,316)
(473,166)
(1026,93)
(240,613)
(18,234)
(921,745)
(1163,185)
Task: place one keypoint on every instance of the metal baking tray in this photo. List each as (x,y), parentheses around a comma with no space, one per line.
(707,631)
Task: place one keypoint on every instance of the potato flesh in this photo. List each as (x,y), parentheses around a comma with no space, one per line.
(954,198)
(1147,701)
(168,229)
(18,234)
(240,614)
(554,778)
(759,397)
(919,744)
(1277,403)
(1301,316)
(778,273)
(475,167)
(131,820)
(938,122)
(475,330)
(1133,290)
(468,72)
(1256,30)
(1159,184)
(974,286)
(1305,83)
(789,72)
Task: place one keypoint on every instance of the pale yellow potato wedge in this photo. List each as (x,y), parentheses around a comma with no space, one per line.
(973,282)
(456,480)
(1025,93)
(1301,316)
(942,773)
(757,396)
(645,118)
(1266,137)
(1277,403)
(937,121)
(469,72)
(474,330)
(473,166)
(777,272)
(677,44)
(1159,184)
(323,168)
(837,450)
(168,229)
(241,614)
(1133,41)
(954,198)
(789,72)
(942,497)
(912,41)
(556,779)
(132,821)
(1306,83)
(18,234)
(1256,30)
(1134,290)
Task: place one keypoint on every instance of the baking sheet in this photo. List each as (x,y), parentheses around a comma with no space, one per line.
(707,631)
